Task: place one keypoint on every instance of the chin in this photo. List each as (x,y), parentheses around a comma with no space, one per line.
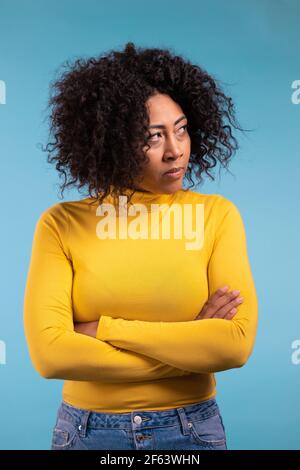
(172,188)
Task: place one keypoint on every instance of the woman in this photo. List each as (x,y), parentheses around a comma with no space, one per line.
(114,308)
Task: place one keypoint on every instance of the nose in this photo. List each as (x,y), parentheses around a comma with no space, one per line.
(173,157)
(172,150)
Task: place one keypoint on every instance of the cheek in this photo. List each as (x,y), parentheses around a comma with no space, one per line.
(154,161)
(155,165)
(188,141)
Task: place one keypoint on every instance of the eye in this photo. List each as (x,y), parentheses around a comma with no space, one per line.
(159,133)
(183,127)
(153,135)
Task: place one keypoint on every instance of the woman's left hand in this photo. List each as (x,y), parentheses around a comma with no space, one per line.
(87,328)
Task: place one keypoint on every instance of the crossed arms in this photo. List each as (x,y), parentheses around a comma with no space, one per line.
(134,350)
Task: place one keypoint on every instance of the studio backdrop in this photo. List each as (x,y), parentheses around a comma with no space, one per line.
(252,48)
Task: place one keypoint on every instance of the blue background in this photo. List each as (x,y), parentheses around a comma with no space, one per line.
(252,47)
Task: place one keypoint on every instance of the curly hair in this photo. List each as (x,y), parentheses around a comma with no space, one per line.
(99,117)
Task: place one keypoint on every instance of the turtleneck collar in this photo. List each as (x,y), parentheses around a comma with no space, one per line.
(147,198)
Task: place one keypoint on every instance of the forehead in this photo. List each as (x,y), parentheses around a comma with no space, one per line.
(163,109)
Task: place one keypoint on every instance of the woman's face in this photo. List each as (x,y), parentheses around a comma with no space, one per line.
(170,146)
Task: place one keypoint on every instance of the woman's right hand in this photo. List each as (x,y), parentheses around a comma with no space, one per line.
(221,304)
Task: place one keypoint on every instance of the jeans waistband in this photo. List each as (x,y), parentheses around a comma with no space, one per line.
(83,418)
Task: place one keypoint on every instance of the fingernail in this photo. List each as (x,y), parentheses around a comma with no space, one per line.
(235,292)
(224,289)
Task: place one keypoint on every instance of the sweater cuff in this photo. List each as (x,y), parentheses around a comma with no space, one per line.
(103,326)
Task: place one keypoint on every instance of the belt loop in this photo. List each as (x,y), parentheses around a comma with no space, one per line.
(183,420)
(83,423)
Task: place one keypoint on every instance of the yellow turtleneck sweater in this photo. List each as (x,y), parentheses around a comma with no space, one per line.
(148,285)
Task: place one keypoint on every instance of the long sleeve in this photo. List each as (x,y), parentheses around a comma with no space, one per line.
(208,345)
(56,350)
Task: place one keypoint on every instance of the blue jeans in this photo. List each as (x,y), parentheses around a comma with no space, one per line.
(197,426)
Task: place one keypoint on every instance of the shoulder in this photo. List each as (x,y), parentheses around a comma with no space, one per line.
(224,205)
(52,228)
(215,203)
(220,212)
(62,211)
(54,221)
(56,213)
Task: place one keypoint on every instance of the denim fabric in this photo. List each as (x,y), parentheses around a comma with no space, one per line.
(197,426)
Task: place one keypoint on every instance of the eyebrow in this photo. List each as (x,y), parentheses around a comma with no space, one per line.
(162,126)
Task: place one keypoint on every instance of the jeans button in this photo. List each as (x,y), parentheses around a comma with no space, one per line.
(137,419)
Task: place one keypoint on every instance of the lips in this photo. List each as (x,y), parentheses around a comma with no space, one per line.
(173,170)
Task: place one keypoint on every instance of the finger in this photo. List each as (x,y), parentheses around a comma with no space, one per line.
(223,301)
(208,308)
(215,304)
(231,314)
(228,307)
